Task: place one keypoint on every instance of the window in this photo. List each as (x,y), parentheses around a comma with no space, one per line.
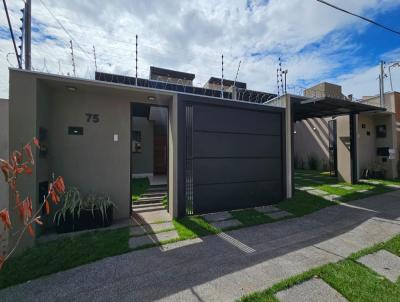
(136,141)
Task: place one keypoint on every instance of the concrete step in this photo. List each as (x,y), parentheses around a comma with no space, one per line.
(146,205)
(154,194)
(148,200)
(157,189)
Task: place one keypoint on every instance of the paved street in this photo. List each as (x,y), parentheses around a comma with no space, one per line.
(226,266)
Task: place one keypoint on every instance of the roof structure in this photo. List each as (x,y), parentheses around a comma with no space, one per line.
(157,71)
(243,95)
(214,80)
(304,108)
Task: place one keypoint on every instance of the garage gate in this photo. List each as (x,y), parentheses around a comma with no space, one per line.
(233,156)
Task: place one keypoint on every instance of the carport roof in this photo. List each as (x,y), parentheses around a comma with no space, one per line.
(304,108)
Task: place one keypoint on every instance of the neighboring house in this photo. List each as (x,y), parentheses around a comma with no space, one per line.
(4,202)
(224,150)
(327,139)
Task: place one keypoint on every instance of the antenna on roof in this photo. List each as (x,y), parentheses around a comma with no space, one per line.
(95,58)
(222,78)
(72,56)
(136,59)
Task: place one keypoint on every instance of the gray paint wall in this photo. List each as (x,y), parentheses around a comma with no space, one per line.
(22,128)
(142,163)
(93,161)
(4,104)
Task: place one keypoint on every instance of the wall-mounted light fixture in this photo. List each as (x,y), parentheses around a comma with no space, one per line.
(315,129)
(71,88)
(151,98)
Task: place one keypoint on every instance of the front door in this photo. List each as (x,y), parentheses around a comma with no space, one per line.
(160,155)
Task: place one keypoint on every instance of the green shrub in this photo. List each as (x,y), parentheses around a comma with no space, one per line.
(73,203)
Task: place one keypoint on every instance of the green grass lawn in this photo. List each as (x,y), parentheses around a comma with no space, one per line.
(63,254)
(51,257)
(353,280)
(139,187)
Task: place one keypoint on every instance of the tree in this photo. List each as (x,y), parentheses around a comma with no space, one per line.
(21,163)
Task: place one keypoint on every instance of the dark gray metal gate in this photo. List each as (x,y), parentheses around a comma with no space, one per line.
(233,156)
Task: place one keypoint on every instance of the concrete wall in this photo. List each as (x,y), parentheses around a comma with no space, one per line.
(142,163)
(366,143)
(22,128)
(4,104)
(93,161)
(343,148)
(389,141)
(311,137)
(324,89)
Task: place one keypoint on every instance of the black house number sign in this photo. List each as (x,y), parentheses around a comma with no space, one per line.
(92,118)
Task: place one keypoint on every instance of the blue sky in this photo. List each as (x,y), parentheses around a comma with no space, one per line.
(315,42)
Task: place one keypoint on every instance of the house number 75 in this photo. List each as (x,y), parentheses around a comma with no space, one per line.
(92,118)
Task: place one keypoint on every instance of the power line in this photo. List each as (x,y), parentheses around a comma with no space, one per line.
(63,28)
(361,17)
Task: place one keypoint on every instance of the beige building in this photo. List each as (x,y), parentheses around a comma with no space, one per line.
(327,139)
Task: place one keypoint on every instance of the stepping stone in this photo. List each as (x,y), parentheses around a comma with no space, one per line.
(179,244)
(336,186)
(267,209)
(306,188)
(219,216)
(331,197)
(278,215)
(135,242)
(393,186)
(150,228)
(363,191)
(317,192)
(348,188)
(374,182)
(384,263)
(225,224)
(307,179)
(318,182)
(314,290)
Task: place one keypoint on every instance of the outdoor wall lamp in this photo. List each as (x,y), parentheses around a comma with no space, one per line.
(151,98)
(71,88)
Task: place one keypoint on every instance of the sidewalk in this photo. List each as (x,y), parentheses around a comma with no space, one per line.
(225,266)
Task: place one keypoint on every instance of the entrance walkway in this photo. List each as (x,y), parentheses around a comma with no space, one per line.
(151,221)
(225,266)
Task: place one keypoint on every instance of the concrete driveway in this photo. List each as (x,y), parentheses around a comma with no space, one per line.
(226,266)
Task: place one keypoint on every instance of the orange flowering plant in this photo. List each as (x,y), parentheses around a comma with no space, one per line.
(21,163)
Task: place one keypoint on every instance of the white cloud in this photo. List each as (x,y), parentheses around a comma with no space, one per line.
(191,35)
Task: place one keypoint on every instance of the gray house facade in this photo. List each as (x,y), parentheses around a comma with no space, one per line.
(225,150)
